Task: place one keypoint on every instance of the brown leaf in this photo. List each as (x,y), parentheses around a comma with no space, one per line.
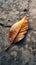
(18,31)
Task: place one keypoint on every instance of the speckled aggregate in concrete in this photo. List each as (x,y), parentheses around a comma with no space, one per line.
(23,52)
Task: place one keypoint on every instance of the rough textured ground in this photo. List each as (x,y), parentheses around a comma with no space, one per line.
(24,52)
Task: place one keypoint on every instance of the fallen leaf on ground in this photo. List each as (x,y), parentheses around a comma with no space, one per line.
(18,30)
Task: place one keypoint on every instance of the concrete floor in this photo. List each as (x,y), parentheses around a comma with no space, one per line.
(12,11)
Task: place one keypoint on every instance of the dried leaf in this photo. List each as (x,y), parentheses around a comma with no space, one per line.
(18,30)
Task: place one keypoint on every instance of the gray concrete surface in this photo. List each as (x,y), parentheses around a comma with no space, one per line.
(23,52)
